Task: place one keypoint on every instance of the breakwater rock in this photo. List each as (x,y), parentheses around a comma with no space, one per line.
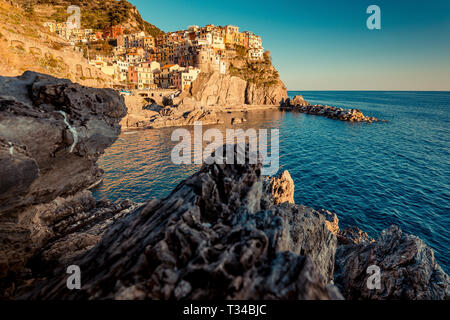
(52,132)
(298,104)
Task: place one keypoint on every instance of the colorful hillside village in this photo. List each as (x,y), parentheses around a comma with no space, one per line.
(169,61)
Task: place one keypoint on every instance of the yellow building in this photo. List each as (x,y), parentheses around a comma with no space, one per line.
(230,34)
(149,42)
(145,76)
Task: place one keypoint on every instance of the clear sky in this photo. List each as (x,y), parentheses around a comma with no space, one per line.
(325,44)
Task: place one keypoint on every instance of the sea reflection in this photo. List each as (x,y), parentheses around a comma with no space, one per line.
(139,167)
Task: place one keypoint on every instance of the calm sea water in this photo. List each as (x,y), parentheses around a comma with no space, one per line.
(371,175)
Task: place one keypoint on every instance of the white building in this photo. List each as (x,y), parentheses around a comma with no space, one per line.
(256,54)
(123,69)
(182,80)
(218,42)
(133,58)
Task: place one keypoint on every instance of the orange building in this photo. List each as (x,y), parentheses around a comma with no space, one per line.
(114,32)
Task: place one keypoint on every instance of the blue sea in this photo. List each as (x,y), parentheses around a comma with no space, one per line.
(370,175)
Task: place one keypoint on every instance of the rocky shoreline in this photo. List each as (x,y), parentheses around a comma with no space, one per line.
(226,232)
(187,111)
(210,95)
(298,104)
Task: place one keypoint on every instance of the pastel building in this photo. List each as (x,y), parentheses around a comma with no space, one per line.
(145,77)
(123,70)
(256,53)
(148,43)
(253,40)
(133,58)
(113,32)
(166,74)
(208,60)
(182,80)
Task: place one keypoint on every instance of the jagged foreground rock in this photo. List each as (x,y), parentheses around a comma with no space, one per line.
(52,132)
(228,233)
(408,267)
(217,235)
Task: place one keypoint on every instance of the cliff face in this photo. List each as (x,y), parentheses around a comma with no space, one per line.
(52,132)
(264,86)
(246,82)
(215,89)
(265,94)
(218,90)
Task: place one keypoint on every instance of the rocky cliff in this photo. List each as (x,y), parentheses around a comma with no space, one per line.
(215,89)
(218,90)
(52,132)
(246,83)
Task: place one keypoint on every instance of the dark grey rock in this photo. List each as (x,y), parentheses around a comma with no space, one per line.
(209,239)
(52,132)
(407,265)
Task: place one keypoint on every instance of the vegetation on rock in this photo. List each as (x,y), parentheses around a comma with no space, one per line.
(259,72)
(97,14)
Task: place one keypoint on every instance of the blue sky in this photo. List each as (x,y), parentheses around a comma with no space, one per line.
(325,44)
